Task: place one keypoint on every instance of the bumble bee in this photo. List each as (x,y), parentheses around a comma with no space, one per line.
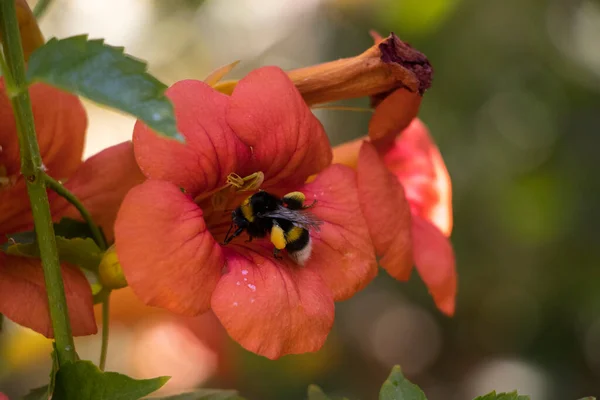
(284,219)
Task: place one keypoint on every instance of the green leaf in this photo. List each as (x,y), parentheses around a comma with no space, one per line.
(40,393)
(502,396)
(45,392)
(397,387)
(104,74)
(82,380)
(71,228)
(53,371)
(20,237)
(203,394)
(78,251)
(316,393)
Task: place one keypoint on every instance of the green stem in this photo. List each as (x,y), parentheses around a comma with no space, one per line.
(40,8)
(85,214)
(57,187)
(105,330)
(31,168)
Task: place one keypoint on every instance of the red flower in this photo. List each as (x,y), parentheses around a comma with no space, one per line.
(405,195)
(415,186)
(168,241)
(60,124)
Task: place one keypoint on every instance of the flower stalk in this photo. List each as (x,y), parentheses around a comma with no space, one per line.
(41,7)
(32,169)
(85,214)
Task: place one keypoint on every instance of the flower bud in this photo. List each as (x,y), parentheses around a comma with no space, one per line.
(110,271)
(388,65)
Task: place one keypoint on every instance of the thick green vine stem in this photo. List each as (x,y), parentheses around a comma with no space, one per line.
(101,242)
(32,170)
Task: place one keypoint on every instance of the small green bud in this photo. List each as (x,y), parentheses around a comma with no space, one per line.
(111,273)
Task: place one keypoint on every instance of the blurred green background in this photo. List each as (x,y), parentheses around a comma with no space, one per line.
(515,109)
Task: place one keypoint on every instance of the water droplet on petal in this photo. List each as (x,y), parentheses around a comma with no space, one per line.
(252,287)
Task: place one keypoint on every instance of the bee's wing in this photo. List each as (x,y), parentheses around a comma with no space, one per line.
(303,219)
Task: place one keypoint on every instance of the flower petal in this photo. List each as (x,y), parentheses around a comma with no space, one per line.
(418,164)
(387,213)
(393,115)
(23,296)
(15,209)
(101,183)
(168,256)
(342,251)
(272,307)
(347,153)
(60,121)
(435,262)
(215,76)
(267,112)
(211,152)
(31,35)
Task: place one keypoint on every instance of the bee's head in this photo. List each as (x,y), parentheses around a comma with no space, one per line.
(239,222)
(238,219)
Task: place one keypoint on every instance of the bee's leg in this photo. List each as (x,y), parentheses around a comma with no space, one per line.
(276,252)
(250,237)
(278,236)
(294,200)
(311,205)
(227,234)
(235,234)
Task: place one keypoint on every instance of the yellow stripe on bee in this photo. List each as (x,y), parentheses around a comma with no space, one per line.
(247,210)
(278,237)
(298,196)
(294,234)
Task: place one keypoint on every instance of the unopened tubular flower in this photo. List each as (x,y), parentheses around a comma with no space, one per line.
(389,65)
(169,229)
(100,182)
